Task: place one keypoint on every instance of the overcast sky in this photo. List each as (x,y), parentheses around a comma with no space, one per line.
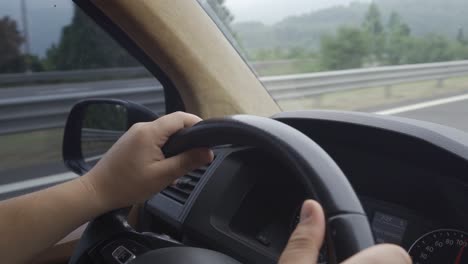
(267,11)
(47,17)
(271,11)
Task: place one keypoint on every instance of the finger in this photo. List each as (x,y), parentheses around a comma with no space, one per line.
(167,125)
(305,242)
(381,254)
(168,170)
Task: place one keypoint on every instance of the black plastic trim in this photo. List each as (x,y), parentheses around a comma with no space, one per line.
(447,138)
(175,213)
(181,255)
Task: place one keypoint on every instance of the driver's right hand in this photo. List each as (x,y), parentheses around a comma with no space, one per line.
(305,243)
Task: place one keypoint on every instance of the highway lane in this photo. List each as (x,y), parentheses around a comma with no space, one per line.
(31,172)
(452,111)
(453,115)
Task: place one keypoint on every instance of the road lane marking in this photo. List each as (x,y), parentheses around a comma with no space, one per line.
(422,105)
(23,185)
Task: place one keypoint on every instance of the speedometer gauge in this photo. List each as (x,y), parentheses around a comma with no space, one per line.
(441,246)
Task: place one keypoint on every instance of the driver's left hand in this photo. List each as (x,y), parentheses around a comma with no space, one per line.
(305,243)
(135,167)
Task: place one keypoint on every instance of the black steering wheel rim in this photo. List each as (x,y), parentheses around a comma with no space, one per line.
(321,177)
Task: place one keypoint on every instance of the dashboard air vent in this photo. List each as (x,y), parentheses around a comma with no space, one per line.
(184,186)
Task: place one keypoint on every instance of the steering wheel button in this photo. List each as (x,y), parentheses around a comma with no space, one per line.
(262,238)
(122,255)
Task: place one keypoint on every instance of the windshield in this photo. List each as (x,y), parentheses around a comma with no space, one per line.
(393,57)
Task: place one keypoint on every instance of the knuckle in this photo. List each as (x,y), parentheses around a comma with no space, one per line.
(138,127)
(179,164)
(139,130)
(179,113)
(166,119)
(182,115)
(301,241)
(184,163)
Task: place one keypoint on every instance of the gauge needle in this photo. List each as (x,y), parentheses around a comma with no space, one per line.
(460,254)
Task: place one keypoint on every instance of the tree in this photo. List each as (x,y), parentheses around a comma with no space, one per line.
(397,26)
(397,40)
(221,11)
(431,48)
(226,17)
(346,50)
(35,64)
(461,37)
(84,45)
(375,32)
(297,52)
(372,21)
(11,59)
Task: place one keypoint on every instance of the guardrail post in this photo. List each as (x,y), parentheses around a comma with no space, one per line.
(319,99)
(440,83)
(388,91)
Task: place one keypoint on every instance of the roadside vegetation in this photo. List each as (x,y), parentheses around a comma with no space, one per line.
(372,98)
(373,41)
(83,45)
(383,32)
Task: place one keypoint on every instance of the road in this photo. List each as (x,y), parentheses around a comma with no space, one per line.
(451,111)
(453,114)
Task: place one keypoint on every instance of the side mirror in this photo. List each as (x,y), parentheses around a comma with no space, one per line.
(94,125)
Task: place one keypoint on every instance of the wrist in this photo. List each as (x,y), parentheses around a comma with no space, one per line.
(94,194)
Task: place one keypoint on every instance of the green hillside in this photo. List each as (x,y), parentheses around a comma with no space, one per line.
(442,17)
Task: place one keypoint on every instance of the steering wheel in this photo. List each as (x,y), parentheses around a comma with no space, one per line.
(347,225)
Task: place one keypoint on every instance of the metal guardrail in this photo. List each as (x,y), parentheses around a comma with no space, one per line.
(50,111)
(102,74)
(100,135)
(73,76)
(303,85)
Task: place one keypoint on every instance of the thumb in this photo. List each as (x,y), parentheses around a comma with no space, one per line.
(381,254)
(304,244)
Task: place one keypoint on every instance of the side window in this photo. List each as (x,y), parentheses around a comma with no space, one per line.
(51,56)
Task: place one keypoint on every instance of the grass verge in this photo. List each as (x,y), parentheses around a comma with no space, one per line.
(378,96)
(32,148)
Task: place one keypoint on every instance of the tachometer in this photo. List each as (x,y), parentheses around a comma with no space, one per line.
(441,246)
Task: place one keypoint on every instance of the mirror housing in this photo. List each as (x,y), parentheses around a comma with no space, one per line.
(113,119)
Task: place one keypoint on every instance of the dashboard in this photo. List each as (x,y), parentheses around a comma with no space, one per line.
(410,176)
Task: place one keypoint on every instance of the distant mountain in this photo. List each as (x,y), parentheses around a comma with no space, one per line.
(443,17)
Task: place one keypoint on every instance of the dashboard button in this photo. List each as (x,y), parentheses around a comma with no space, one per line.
(123,255)
(263,238)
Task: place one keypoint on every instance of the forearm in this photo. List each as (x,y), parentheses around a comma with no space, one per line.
(34,222)
(131,171)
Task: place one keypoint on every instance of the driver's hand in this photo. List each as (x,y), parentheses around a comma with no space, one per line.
(305,242)
(135,168)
